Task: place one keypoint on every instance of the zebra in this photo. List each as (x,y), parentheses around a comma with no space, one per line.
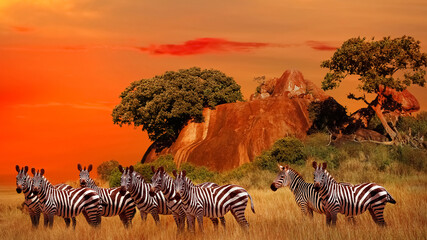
(349,200)
(138,189)
(211,202)
(305,196)
(66,203)
(23,184)
(114,202)
(161,181)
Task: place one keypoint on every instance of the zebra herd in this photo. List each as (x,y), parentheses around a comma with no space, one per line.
(185,201)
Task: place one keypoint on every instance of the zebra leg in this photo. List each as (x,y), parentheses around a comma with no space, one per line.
(177,221)
(377,214)
(328,218)
(45,219)
(191,223)
(143,215)
(67,222)
(222,221)
(334,218)
(51,220)
(200,222)
(215,223)
(239,215)
(155,215)
(123,216)
(74,222)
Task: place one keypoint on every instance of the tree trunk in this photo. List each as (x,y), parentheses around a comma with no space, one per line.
(395,136)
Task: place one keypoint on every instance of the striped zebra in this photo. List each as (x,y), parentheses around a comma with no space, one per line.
(349,200)
(305,196)
(161,181)
(211,202)
(138,189)
(114,203)
(23,184)
(66,203)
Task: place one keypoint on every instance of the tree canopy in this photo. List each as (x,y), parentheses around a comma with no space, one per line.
(164,104)
(387,63)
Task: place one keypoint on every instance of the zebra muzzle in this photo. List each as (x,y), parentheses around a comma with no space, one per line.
(18,190)
(122,190)
(273,187)
(152,192)
(316,187)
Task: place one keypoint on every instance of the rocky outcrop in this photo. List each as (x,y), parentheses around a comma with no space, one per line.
(235,133)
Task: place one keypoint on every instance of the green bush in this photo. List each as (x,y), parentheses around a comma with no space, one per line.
(198,174)
(417,124)
(105,169)
(115,178)
(316,147)
(412,157)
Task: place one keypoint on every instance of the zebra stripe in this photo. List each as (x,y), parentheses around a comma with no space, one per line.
(161,181)
(349,200)
(24,184)
(305,196)
(113,202)
(133,182)
(211,202)
(66,203)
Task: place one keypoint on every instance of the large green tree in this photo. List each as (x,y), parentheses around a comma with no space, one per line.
(164,104)
(387,63)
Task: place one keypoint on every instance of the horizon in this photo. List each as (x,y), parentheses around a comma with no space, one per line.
(64,64)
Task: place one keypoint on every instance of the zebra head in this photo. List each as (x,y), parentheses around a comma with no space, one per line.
(282,179)
(84,174)
(37,180)
(125,179)
(180,183)
(22,179)
(319,175)
(157,182)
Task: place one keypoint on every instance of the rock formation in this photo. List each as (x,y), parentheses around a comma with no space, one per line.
(235,133)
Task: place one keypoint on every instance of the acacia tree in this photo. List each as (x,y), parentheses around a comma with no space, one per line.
(164,104)
(381,65)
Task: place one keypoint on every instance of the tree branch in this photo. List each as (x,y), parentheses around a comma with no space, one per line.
(352,96)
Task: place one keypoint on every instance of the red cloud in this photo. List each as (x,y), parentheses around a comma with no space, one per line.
(321,46)
(201,46)
(21,29)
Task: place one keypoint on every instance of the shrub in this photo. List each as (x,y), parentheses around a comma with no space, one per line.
(417,124)
(105,169)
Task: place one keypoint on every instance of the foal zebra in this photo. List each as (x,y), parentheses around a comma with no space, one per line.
(66,203)
(349,200)
(114,203)
(211,202)
(133,182)
(305,196)
(161,181)
(23,183)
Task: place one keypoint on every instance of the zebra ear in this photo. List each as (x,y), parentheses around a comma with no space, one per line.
(314,164)
(153,169)
(26,169)
(33,171)
(184,173)
(17,168)
(131,169)
(174,173)
(324,165)
(41,172)
(286,167)
(79,167)
(161,169)
(89,168)
(121,168)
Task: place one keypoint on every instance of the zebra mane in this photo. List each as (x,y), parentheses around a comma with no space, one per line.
(296,173)
(330,176)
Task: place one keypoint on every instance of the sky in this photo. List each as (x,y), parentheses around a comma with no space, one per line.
(64,63)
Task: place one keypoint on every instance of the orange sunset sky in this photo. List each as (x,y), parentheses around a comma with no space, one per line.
(63,63)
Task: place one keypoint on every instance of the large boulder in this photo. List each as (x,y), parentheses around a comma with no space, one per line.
(235,133)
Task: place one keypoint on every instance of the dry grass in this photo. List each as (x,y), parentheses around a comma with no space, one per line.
(277,216)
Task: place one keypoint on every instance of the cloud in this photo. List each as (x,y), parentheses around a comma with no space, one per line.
(22,29)
(321,46)
(202,46)
(93,106)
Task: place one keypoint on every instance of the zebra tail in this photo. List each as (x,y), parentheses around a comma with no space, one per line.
(252,203)
(390,199)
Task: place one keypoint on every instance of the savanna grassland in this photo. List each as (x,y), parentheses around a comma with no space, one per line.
(277,215)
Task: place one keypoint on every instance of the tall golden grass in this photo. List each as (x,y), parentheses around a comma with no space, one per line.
(277,216)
